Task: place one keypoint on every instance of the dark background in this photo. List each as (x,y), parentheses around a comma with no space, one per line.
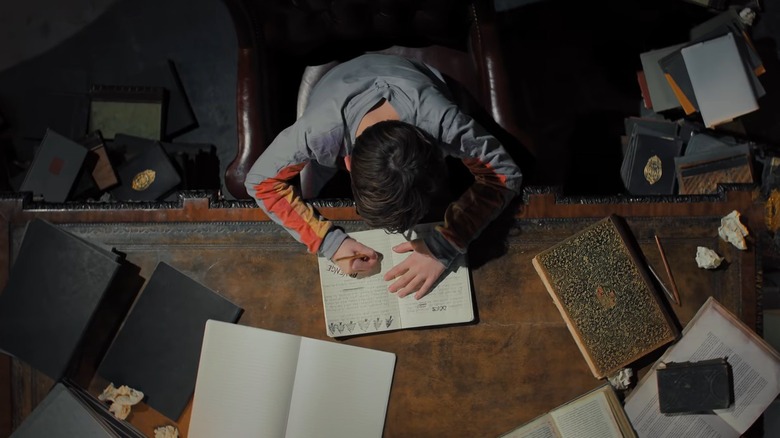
(573,67)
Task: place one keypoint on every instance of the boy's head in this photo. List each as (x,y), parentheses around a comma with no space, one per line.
(397,170)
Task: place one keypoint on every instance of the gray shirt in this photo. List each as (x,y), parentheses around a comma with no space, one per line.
(325,134)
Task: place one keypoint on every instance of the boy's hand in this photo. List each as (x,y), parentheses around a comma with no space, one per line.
(355,258)
(417,273)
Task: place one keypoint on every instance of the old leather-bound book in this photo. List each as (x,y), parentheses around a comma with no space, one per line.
(695,387)
(600,284)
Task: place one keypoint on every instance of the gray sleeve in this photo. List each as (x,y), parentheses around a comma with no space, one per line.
(268,182)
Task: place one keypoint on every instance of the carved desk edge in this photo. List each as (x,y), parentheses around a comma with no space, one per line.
(536,202)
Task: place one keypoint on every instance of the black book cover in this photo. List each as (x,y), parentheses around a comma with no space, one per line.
(157,349)
(197,164)
(148,176)
(695,387)
(652,169)
(56,166)
(54,288)
(61,415)
(100,411)
(69,411)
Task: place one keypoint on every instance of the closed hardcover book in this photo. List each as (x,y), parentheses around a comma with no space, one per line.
(148,176)
(651,170)
(719,78)
(695,387)
(157,348)
(54,289)
(55,168)
(69,411)
(661,93)
(599,282)
(61,415)
(702,173)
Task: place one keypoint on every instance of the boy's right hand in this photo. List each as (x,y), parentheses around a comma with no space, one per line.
(355,258)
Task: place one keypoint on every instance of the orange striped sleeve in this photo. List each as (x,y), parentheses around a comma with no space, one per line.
(280,199)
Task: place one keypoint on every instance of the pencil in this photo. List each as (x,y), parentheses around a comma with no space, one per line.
(352,257)
(668,271)
(663,286)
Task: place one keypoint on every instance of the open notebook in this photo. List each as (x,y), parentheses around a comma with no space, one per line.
(261,383)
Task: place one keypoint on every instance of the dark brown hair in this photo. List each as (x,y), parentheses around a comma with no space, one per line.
(397,170)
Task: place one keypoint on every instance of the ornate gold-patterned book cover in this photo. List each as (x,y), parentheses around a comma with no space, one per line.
(602,289)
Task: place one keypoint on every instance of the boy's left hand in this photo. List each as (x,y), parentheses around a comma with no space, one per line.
(417,273)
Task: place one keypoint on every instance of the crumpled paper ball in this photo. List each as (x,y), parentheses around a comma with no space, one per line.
(707,258)
(731,230)
(122,399)
(166,432)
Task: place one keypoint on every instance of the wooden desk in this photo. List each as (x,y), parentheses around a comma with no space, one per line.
(481,379)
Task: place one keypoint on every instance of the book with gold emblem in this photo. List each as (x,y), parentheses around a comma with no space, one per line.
(648,166)
(599,282)
(148,176)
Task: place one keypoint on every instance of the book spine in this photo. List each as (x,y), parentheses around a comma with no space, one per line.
(567,319)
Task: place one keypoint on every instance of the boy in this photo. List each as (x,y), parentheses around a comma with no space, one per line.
(390,122)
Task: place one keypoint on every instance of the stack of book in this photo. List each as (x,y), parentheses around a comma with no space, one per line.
(663,157)
(128,168)
(78,144)
(714,74)
(648,160)
(82,322)
(172,338)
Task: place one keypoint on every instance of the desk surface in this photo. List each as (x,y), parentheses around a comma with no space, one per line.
(482,379)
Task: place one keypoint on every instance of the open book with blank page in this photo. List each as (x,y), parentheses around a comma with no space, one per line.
(256,382)
(356,306)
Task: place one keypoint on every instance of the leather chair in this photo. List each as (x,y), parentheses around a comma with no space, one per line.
(285,46)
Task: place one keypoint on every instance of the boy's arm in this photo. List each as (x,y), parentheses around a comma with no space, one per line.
(268,182)
(497,180)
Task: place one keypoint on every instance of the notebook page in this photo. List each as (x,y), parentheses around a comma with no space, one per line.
(245,381)
(340,391)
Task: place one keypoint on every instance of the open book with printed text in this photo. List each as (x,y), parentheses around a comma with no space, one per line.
(356,306)
(595,414)
(714,332)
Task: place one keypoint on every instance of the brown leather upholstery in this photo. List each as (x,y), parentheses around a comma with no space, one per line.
(285,46)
